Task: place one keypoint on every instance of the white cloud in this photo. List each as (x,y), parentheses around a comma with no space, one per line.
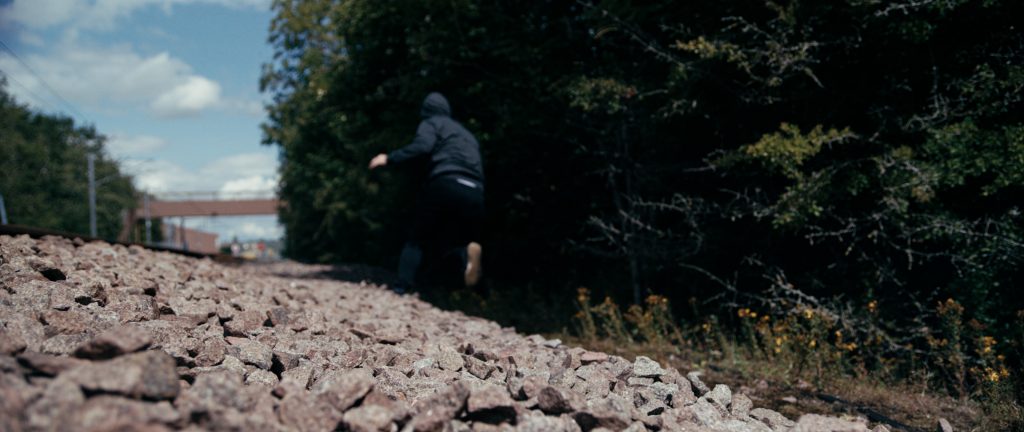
(121,145)
(38,14)
(31,39)
(249,108)
(95,14)
(164,176)
(250,184)
(247,172)
(188,98)
(242,166)
(114,78)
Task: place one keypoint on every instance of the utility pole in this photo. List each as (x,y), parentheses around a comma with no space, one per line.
(92,194)
(3,211)
(145,200)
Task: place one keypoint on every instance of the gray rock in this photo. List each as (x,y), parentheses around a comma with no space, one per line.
(815,423)
(450,360)
(705,413)
(278,317)
(699,388)
(370,418)
(261,377)
(542,423)
(721,396)
(645,367)
(771,418)
(944,426)
(638,381)
(132,308)
(213,392)
(251,352)
(422,364)
(478,367)
(741,405)
(532,385)
(295,379)
(232,364)
(664,391)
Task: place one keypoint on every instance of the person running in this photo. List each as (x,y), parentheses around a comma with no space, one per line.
(450,206)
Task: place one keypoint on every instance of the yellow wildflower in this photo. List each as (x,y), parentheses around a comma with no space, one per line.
(992,375)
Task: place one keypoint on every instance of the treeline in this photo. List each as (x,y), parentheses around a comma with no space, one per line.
(44,172)
(849,155)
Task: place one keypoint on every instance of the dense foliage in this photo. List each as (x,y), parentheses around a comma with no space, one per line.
(766,154)
(44,173)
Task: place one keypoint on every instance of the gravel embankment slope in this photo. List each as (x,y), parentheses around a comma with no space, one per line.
(102,337)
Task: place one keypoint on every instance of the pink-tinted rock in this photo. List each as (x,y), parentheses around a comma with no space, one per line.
(593,357)
(245,323)
(10,342)
(211,353)
(304,412)
(115,342)
(48,364)
(434,412)
(554,400)
(117,413)
(490,404)
(343,390)
(150,375)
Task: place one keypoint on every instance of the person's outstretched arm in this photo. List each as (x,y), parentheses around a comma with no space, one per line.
(426,137)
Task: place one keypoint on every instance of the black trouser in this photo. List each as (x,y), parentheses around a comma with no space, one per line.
(449,215)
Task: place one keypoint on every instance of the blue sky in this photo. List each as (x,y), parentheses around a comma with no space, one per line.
(174,84)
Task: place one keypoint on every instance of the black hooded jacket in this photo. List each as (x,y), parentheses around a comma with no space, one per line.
(451,148)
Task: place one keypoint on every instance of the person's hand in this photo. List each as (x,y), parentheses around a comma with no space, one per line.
(379,161)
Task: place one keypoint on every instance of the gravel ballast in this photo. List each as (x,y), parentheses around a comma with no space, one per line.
(95,336)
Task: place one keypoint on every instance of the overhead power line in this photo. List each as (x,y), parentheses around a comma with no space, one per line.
(29,90)
(42,81)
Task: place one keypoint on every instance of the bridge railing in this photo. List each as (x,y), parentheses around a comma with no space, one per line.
(213,195)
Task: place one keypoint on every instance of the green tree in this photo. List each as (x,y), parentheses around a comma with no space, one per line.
(43,172)
(726,150)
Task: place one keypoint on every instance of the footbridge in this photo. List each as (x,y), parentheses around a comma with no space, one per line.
(164,205)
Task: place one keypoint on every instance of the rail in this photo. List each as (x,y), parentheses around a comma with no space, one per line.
(36,232)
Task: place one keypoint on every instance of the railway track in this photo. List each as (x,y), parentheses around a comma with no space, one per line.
(36,232)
